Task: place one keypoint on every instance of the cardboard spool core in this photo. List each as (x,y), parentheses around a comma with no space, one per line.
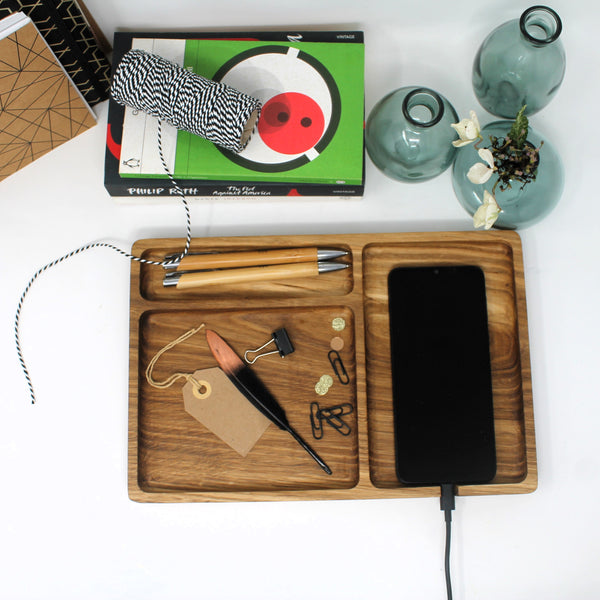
(249,128)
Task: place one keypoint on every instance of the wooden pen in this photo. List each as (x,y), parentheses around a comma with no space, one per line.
(193,279)
(250,258)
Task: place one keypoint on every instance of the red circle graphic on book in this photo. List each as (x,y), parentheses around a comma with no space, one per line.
(291,123)
(301,106)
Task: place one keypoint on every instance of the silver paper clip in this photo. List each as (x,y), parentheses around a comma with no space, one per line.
(282,342)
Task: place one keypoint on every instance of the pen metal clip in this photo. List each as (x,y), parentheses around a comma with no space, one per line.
(171,261)
(171,278)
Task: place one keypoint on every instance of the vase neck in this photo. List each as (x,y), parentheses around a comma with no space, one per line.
(422,107)
(540,26)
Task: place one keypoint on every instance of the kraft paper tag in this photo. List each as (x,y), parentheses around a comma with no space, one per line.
(224,410)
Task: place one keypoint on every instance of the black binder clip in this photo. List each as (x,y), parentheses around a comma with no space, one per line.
(282,342)
(338,367)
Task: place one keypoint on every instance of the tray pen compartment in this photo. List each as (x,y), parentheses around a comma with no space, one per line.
(337,283)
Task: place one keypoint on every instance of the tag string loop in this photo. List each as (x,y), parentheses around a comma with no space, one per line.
(175,376)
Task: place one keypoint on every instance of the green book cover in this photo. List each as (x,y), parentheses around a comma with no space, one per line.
(311,124)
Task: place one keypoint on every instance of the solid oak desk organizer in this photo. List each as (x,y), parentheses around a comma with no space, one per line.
(173,458)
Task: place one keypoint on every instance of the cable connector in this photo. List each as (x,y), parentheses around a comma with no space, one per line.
(447,505)
(447,500)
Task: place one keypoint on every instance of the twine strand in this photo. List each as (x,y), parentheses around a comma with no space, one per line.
(161,385)
(164,263)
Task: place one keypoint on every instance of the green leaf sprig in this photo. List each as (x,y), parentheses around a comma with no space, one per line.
(515,159)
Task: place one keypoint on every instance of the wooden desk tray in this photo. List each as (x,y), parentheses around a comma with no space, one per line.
(173,458)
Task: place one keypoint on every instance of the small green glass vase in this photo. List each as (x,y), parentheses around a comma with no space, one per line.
(522,62)
(408,134)
(522,206)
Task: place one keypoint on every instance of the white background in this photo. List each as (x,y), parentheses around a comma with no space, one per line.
(68,529)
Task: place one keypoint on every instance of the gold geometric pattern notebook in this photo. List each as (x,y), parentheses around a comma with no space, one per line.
(40,108)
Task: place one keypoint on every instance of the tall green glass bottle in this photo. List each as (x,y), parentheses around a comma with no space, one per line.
(522,62)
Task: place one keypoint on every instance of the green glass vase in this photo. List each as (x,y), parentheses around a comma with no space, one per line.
(521,206)
(408,134)
(522,62)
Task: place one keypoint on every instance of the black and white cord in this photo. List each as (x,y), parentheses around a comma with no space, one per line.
(186,100)
(101,245)
(447,505)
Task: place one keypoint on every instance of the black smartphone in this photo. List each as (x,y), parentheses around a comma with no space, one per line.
(441,375)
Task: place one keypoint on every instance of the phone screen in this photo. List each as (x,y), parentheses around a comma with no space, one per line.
(441,374)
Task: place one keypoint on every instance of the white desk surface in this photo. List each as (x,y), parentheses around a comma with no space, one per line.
(68,528)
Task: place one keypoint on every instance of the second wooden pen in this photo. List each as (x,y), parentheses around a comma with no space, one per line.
(244,274)
(250,258)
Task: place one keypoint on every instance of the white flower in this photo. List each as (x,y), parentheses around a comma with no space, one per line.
(480,173)
(485,216)
(468,130)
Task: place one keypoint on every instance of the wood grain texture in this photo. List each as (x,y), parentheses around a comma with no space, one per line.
(172,458)
(229,260)
(247,275)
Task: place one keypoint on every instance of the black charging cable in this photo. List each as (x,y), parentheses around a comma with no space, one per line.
(447,505)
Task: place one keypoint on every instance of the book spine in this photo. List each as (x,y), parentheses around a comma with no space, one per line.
(153,188)
(350,37)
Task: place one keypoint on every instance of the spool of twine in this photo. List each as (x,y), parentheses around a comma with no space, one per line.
(190,102)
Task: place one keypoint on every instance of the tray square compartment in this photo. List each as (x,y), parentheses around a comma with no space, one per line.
(177,453)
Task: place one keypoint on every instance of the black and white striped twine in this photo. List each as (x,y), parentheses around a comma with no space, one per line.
(101,245)
(186,100)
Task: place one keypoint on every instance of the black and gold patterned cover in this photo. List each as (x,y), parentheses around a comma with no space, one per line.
(65,29)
